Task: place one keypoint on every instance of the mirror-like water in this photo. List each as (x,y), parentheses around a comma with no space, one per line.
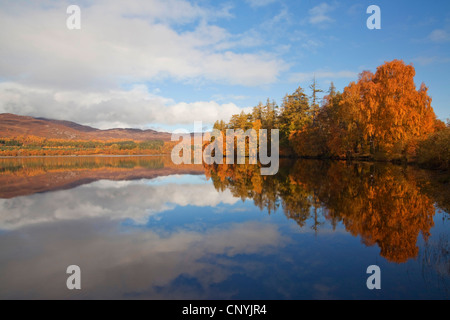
(141,227)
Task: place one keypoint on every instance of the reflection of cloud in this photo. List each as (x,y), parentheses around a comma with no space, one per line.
(178,179)
(116,200)
(323,292)
(132,263)
(228,210)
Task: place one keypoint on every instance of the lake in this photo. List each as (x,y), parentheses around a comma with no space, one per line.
(144,228)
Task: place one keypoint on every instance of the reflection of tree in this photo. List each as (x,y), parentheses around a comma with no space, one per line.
(245,182)
(25,176)
(382,204)
(436,184)
(39,165)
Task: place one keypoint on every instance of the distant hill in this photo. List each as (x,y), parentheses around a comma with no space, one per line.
(12,125)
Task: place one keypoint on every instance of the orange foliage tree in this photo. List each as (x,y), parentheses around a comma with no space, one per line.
(381,115)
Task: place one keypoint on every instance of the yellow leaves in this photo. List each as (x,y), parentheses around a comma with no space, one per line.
(256,125)
(384,108)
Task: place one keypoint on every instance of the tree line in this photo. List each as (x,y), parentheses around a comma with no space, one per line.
(381,116)
(34,145)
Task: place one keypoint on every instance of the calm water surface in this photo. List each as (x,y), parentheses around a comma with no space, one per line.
(143,228)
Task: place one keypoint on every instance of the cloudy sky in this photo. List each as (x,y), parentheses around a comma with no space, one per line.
(167,63)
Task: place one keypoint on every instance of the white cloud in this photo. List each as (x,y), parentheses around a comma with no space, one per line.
(356,9)
(319,14)
(79,75)
(312,44)
(439,35)
(308,76)
(135,107)
(120,42)
(428,60)
(221,97)
(259,3)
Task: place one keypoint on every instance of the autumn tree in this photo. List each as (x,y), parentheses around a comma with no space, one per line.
(219,125)
(386,110)
(382,115)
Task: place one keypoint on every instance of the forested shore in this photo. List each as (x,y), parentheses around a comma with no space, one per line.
(381,117)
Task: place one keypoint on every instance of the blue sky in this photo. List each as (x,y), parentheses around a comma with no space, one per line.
(166,64)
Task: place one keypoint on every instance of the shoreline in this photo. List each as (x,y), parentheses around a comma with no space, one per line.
(356,159)
(86,155)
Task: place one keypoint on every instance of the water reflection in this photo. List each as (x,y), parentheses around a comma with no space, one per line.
(129,263)
(140,227)
(25,176)
(116,200)
(381,203)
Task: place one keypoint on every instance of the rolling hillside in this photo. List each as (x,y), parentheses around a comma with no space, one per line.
(12,125)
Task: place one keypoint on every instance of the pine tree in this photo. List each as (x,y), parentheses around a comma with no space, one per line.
(315,100)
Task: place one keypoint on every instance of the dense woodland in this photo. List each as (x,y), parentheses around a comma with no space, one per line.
(382,116)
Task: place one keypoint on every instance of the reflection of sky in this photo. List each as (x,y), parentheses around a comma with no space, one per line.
(122,262)
(179,238)
(136,200)
(178,179)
